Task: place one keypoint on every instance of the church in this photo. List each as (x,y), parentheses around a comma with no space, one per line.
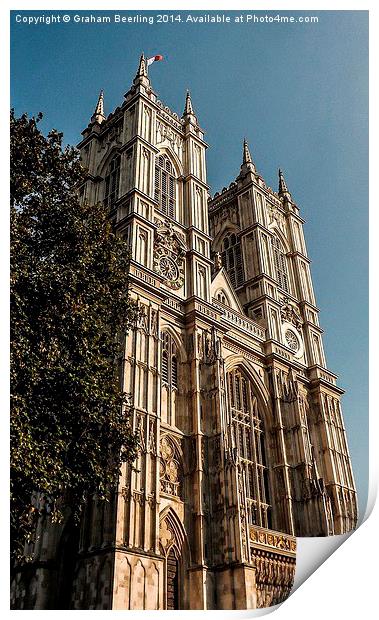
(242,445)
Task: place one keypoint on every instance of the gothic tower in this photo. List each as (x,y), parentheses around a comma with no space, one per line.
(258,234)
(241,440)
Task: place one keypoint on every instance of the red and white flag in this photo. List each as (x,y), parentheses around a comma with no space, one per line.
(153,59)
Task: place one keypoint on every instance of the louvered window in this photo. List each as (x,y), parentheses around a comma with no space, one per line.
(165,186)
(112,182)
(248,436)
(280,264)
(169,362)
(231,256)
(164,367)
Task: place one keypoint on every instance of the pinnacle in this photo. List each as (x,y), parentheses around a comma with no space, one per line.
(188,108)
(142,69)
(283,189)
(246,153)
(98,115)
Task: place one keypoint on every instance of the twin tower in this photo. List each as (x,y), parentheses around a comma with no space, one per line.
(242,445)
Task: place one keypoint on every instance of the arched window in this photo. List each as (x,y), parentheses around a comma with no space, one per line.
(232,259)
(280,263)
(112,181)
(165,185)
(248,435)
(220,296)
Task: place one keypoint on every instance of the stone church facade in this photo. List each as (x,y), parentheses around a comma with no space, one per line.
(242,441)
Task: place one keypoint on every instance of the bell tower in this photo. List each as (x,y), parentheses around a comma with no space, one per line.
(259,235)
(148,165)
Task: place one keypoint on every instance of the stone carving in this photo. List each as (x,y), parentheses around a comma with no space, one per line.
(169,255)
(209,346)
(243,533)
(170,473)
(140,432)
(165,132)
(276,217)
(151,446)
(166,535)
(151,501)
(218,261)
(125,492)
(142,318)
(154,323)
(274,577)
(113,135)
(275,540)
(290,314)
(138,497)
(288,386)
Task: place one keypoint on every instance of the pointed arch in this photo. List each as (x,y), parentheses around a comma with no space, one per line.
(106,159)
(176,526)
(174,546)
(231,256)
(175,443)
(166,327)
(263,395)
(227,228)
(166,189)
(274,228)
(172,156)
(222,296)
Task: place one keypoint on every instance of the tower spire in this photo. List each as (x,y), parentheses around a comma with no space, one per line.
(142,75)
(247,161)
(98,115)
(142,69)
(188,108)
(246,153)
(283,189)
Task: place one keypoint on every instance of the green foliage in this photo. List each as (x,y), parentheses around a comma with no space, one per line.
(69,422)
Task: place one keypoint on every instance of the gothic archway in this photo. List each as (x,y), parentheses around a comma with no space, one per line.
(174,547)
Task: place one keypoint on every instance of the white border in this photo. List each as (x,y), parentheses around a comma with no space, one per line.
(345,586)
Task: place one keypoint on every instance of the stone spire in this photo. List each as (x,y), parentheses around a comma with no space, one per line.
(247,162)
(98,115)
(283,189)
(246,153)
(188,108)
(141,75)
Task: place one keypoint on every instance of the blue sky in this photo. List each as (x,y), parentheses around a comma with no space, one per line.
(298,92)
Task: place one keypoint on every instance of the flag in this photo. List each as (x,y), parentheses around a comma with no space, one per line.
(153,59)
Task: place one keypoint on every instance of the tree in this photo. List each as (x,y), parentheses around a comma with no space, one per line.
(70,306)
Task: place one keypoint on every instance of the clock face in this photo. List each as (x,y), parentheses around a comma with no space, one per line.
(292,340)
(168,268)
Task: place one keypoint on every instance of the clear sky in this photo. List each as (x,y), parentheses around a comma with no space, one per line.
(297,92)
